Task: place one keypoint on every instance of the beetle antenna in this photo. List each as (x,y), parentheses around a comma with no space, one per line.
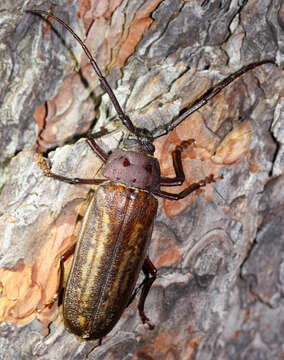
(164,129)
(123,117)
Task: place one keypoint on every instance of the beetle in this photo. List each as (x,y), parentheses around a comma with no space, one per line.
(111,246)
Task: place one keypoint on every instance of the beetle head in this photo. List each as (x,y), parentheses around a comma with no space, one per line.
(141,140)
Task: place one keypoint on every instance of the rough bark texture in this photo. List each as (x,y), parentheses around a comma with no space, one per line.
(219,253)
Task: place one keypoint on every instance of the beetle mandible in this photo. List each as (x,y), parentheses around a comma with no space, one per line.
(117,225)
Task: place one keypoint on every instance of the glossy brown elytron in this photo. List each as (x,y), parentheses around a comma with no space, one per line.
(111,247)
(117,225)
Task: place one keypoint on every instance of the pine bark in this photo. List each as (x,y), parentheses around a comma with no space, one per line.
(219,253)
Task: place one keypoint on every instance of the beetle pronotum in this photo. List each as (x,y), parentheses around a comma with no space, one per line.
(117,225)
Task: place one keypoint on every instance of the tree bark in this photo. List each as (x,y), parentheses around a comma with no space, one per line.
(219,252)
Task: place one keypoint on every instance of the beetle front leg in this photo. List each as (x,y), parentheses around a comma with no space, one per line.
(47,172)
(94,146)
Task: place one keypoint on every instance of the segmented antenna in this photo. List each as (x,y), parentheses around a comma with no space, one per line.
(123,117)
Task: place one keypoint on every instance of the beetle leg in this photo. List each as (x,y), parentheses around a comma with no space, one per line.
(47,172)
(62,258)
(57,295)
(65,256)
(176,154)
(95,147)
(148,269)
(193,187)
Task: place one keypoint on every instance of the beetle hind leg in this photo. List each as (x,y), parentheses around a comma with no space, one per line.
(58,295)
(62,257)
(150,273)
(148,269)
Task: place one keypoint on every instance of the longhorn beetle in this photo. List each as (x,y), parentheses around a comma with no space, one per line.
(117,225)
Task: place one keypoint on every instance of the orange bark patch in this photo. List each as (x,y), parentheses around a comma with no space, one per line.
(165,252)
(163,346)
(191,347)
(19,295)
(134,32)
(234,145)
(89,10)
(169,257)
(39,115)
(58,123)
(29,288)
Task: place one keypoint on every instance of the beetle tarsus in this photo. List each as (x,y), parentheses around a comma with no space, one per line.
(48,304)
(145,320)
